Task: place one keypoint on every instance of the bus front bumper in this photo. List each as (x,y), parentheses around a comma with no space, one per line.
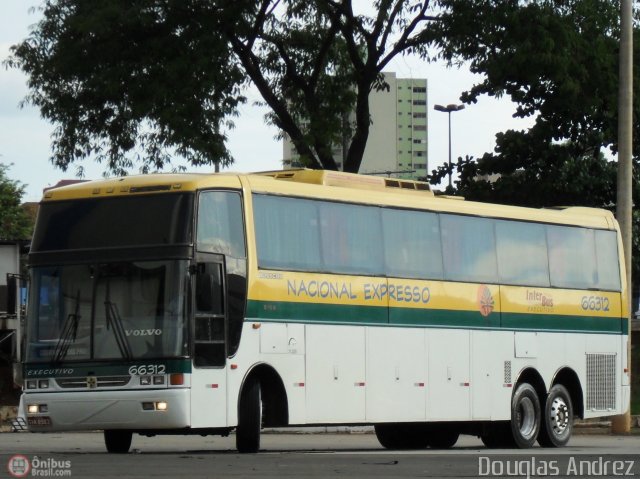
(78,411)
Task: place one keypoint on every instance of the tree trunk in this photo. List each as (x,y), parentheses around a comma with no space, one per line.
(359,140)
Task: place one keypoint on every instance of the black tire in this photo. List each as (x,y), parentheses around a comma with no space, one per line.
(402,436)
(557,420)
(249,418)
(498,436)
(117,441)
(441,436)
(525,416)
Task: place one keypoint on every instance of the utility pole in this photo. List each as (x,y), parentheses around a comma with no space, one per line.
(622,423)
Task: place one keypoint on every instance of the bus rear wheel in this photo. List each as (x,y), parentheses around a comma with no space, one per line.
(117,441)
(525,416)
(557,420)
(249,418)
(402,436)
(498,435)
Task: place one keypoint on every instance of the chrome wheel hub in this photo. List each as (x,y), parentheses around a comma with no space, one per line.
(559,416)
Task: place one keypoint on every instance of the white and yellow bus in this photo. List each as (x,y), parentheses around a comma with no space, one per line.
(203,304)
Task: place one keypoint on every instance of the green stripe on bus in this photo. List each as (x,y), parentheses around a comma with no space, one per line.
(343,314)
(561,322)
(317,313)
(83,369)
(442,318)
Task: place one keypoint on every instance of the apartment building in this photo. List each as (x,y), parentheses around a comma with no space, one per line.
(398,136)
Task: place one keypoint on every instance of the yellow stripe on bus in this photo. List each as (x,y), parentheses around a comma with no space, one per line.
(298,287)
(532,300)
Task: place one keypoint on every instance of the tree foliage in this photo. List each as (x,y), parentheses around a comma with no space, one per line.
(133,82)
(15,223)
(556,60)
(129,82)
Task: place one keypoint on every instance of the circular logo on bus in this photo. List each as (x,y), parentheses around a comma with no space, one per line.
(486,303)
(18,466)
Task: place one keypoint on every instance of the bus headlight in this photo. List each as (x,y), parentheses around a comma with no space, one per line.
(43,384)
(145,380)
(32,384)
(155,406)
(32,409)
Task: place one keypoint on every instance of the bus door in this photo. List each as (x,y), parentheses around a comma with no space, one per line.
(209,342)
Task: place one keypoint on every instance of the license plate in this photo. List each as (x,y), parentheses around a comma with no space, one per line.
(39,421)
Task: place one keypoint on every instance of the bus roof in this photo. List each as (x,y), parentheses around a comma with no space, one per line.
(334,186)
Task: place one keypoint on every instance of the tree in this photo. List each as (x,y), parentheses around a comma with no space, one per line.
(556,60)
(525,173)
(559,62)
(134,82)
(15,223)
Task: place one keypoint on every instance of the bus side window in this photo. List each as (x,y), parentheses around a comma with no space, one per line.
(220,226)
(522,253)
(350,238)
(607,260)
(571,257)
(468,248)
(412,244)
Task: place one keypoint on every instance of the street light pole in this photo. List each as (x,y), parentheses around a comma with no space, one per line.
(448,109)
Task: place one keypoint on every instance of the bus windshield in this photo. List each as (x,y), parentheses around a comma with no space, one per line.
(118,222)
(117,311)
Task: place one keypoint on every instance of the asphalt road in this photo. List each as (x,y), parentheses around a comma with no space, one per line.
(80,455)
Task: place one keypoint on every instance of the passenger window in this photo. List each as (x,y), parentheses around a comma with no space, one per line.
(608,262)
(287,235)
(572,257)
(220,224)
(468,249)
(522,253)
(412,244)
(351,238)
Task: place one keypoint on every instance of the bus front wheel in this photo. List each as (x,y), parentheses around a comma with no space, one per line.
(557,420)
(525,416)
(402,436)
(249,418)
(117,441)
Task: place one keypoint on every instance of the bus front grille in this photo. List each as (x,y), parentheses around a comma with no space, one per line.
(92,382)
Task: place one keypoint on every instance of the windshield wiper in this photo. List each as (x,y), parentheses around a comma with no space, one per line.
(115,321)
(69,333)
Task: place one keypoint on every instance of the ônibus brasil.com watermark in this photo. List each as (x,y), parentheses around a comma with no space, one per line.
(20,465)
(565,466)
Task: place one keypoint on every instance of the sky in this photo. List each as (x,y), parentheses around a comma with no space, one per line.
(25,138)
